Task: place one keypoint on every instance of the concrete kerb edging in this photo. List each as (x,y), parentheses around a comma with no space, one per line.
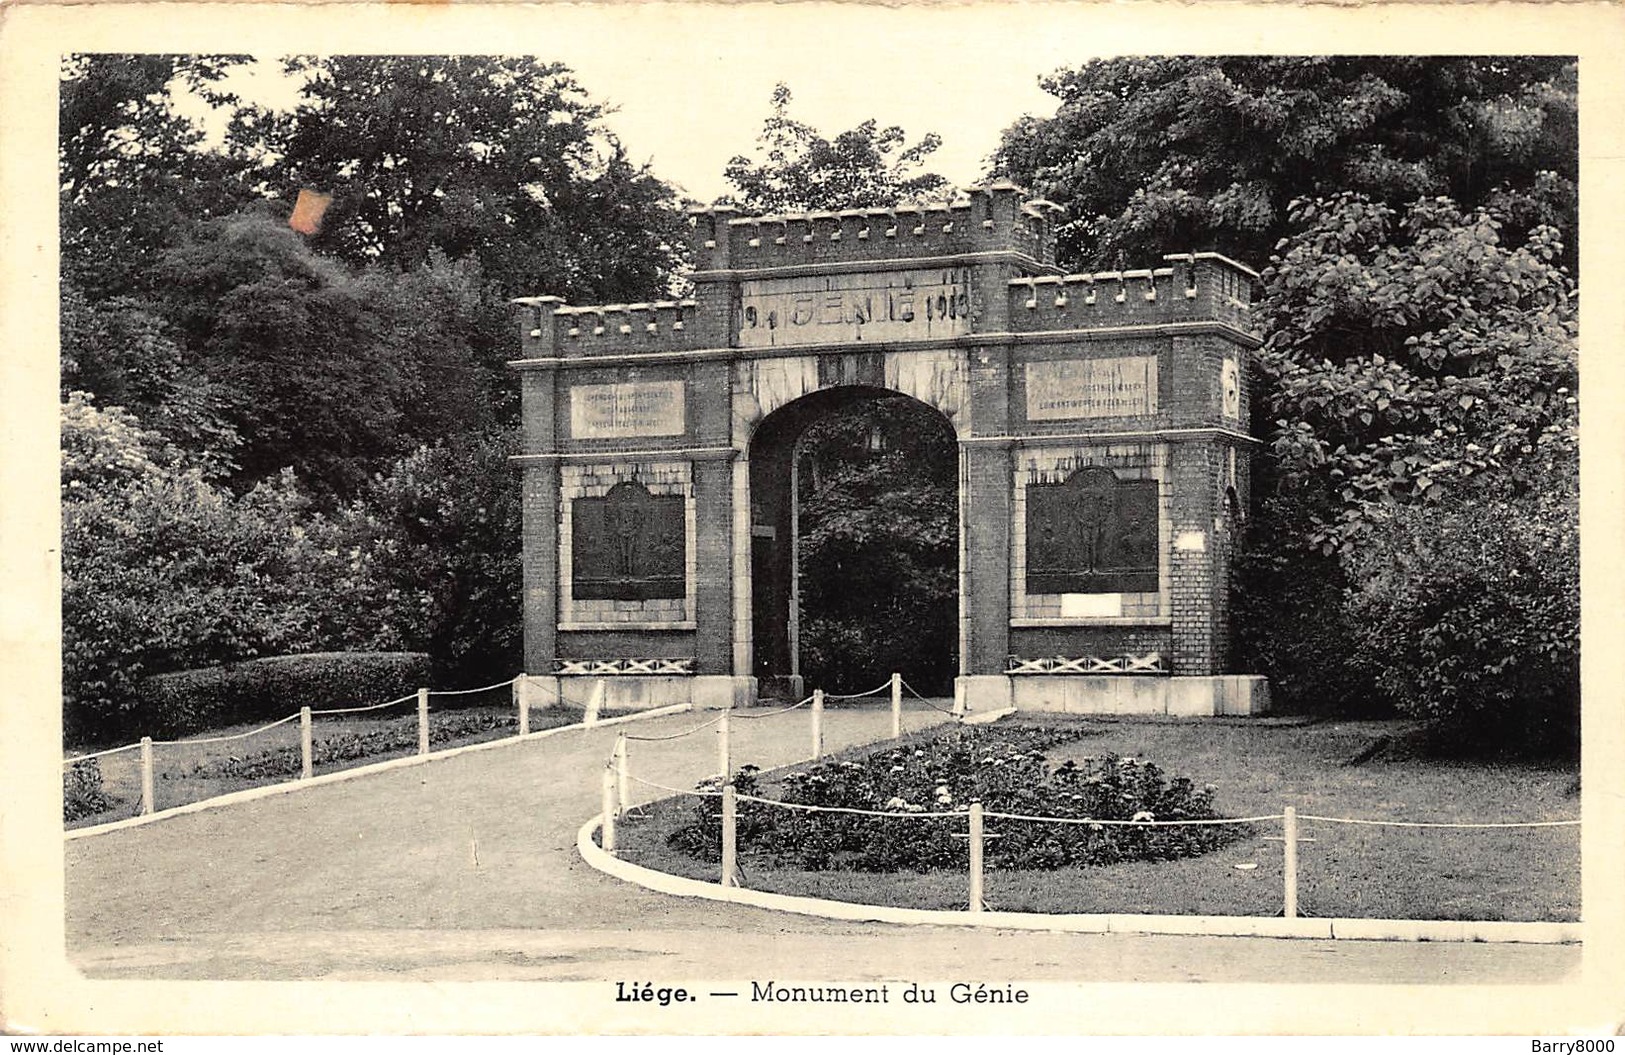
(1076,923)
(250,794)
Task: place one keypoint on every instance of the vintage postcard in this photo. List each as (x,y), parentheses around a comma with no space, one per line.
(745,519)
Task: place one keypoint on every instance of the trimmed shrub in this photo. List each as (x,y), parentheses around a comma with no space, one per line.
(186,701)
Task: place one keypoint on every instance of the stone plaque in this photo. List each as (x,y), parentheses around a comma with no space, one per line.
(872,306)
(638,408)
(1092,534)
(628,545)
(1092,388)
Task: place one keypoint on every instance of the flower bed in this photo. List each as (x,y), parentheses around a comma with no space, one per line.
(1004,768)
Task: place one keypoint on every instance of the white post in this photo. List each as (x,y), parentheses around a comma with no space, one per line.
(724,759)
(976,857)
(423,721)
(595,703)
(609,810)
(959,698)
(896,705)
(521,701)
(730,837)
(146,774)
(1289,825)
(818,724)
(623,788)
(304,743)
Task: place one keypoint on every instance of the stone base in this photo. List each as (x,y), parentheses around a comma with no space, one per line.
(643,692)
(980,693)
(1220,694)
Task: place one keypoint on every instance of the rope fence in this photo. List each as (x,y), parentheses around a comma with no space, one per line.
(618,778)
(198,768)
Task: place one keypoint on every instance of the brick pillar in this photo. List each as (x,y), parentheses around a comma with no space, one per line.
(985,475)
(540,559)
(713,551)
(1192,470)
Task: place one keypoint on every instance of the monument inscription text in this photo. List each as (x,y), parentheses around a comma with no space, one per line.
(1117,387)
(870,306)
(638,408)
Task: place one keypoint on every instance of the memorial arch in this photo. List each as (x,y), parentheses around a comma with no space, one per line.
(1101,427)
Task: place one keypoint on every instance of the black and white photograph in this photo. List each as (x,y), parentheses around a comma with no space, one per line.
(812,519)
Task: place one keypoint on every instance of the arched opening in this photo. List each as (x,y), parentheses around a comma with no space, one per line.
(854,543)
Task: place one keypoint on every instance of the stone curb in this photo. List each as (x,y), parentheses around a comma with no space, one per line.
(250,794)
(1078,923)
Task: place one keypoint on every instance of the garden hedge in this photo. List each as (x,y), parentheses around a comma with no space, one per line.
(186,701)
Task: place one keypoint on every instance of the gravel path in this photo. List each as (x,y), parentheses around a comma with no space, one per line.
(465,868)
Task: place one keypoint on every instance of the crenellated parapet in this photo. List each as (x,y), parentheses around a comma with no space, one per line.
(1197,286)
(549,328)
(995,218)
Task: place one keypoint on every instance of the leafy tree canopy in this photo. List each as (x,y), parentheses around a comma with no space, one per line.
(504,160)
(1416,352)
(796,169)
(1153,155)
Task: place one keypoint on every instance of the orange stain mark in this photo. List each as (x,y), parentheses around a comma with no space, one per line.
(308,211)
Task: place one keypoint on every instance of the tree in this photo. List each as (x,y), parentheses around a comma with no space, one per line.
(1423,541)
(1412,354)
(797,170)
(120,351)
(135,173)
(502,160)
(1154,155)
(313,382)
(162,570)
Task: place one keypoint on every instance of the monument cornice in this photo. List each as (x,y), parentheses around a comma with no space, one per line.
(906,263)
(1195,327)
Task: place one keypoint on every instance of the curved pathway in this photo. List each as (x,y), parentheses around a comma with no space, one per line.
(465,868)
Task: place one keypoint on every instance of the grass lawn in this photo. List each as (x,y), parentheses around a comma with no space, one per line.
(1259,768)
(186,772)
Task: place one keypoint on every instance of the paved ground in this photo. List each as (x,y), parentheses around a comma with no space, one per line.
(465,868)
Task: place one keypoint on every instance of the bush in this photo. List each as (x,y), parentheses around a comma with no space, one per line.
(1468,615)
(263,689)
(82,792)
(1004,769)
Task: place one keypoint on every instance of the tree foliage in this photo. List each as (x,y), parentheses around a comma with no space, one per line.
(1415,352)
(1153,155)
(499,159)
(879,546)
(797,169)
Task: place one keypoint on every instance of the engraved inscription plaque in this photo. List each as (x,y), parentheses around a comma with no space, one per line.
(1116,387)
(870,306)
(628,545)
(640,408)
(1093,533)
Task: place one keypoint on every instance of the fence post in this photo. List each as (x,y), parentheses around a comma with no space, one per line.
(304,743)
(976,857)
(1289,842)
(818,724)
(896,705)
(730,837)
(724,759)
(609,810)
(146,774)
(623,789)
(423,721)
(521,700)
(595,703)
(959,698)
